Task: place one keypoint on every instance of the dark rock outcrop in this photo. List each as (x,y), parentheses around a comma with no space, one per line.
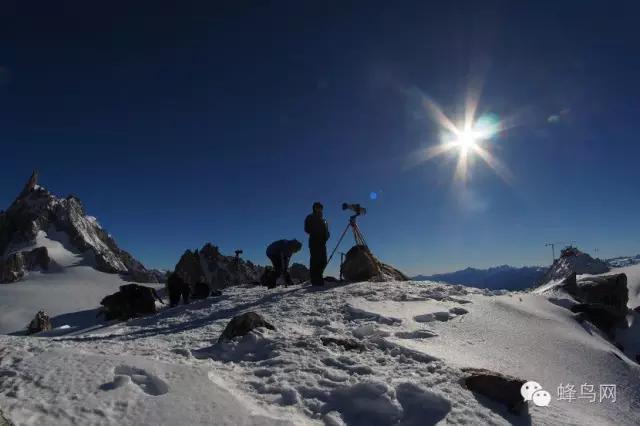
(600,315)
(608,290)
(603,300)
(130,301)
(242,325)
(209,266)
(497,387)
(361,265)
(14,266)
(37,210)
(41,322)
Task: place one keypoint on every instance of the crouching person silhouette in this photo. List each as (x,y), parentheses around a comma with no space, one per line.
(280,252)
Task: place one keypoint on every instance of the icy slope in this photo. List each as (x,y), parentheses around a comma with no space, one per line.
(70,285)
(410,342)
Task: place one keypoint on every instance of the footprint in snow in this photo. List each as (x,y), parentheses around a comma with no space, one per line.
(420,406)
(416,334)
(147,382)
(441,316)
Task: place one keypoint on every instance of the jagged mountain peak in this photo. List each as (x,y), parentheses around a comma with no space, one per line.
(210,266)
(37,213)
(572,260)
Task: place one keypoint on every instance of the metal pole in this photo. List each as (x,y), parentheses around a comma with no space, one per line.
(339,241)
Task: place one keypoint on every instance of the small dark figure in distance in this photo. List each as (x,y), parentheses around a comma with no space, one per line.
(176,287)
(280,252)
(318,231)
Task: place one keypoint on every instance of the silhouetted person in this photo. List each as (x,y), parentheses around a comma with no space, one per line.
(280,252)
(318,231)
(177,288)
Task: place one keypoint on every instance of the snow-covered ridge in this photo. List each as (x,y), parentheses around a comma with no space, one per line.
(408,344)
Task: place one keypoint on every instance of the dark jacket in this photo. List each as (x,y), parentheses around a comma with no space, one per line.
(317,228)
(280,248)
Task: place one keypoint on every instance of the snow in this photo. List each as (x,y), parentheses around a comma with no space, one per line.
(69,292)
(415,338)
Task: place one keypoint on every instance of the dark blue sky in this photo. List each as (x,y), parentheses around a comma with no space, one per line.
(184,123)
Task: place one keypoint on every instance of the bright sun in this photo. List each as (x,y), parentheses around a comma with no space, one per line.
(470,138)
(467,140)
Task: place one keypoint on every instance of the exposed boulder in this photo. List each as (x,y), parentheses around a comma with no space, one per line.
(209,266)
(41,322)
(130,301)
(299,273)
(608,290)
(36,210)
(603,300)
(14,266)
(600,315)
(497,387)
(243,324)
(361,265)
(571,261)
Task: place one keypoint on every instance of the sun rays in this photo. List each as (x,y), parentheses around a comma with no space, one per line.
(470,138)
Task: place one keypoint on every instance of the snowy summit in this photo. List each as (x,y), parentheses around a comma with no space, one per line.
(356,354)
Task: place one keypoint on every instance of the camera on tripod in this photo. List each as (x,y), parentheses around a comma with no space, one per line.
(356,208)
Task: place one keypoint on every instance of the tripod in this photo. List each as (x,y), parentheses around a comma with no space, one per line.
(357,235)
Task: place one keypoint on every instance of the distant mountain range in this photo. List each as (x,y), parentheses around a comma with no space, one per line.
(618,262)
(498,277)
(510,277)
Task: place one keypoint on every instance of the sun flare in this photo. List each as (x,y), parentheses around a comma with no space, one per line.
(469,138)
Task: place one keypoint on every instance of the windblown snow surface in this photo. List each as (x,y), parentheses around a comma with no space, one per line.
(69,286)
(415,336)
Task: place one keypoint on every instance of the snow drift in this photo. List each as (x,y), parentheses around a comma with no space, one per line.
(357,354)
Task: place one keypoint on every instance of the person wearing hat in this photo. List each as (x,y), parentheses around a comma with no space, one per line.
(318,231)
(280,252)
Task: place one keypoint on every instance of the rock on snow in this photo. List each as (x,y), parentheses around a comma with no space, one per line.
(409,345)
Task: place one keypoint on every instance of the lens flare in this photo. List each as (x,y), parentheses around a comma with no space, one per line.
(470,138)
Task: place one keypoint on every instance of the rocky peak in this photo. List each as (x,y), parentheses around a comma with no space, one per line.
(572,260)
(210,266)
(31,184)
(36,211)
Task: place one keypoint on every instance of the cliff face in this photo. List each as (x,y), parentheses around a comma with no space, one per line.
(36,211)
